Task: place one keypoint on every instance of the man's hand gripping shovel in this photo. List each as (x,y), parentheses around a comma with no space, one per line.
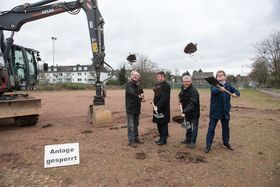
(156,115)
(214,82)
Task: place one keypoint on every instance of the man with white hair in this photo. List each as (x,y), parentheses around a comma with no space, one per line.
(189,100)
(133,98)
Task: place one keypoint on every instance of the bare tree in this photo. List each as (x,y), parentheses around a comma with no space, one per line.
(269,52)
(146,68)
(259,72)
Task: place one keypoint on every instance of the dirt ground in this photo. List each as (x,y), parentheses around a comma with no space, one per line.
(106,160)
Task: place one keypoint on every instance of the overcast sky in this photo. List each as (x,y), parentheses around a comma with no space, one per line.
(224,30)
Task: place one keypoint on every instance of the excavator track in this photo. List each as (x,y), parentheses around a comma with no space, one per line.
(24,121)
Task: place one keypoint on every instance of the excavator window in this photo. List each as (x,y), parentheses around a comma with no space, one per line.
(19,64)
(30,63)
(1,60)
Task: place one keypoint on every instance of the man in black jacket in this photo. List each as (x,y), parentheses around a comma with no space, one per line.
(133,97)
(189,100)
(162,105)
(220,110)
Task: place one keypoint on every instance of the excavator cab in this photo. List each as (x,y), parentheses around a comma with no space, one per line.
(19,72)
(23,71)
(25,63)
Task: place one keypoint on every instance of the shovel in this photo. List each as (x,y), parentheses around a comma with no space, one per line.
(157,115)
(215,82)
(184,124)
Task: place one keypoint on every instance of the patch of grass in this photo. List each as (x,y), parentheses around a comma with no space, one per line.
(64,86)
(260,99)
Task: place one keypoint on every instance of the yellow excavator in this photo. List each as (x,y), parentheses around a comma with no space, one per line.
(18,65)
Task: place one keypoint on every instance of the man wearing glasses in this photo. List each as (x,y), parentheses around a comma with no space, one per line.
(219,110)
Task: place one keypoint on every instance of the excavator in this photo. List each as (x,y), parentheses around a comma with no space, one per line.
(18,65)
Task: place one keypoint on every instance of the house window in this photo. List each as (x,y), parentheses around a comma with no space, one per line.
(79,68)
(74,68)
(55,69)
(85,73)
(49,69)
(85,79)
(79,73)
(85,68)
(79,80)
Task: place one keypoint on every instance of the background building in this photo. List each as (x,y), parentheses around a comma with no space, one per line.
(71,74)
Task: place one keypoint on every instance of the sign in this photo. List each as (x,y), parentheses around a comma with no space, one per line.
(61,155)
(94,47)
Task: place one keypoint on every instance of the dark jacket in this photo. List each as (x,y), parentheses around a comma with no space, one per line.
(132,100)
(220,101)
(162,101)
(189,97)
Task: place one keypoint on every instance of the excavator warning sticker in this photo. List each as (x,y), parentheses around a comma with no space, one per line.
(94,47)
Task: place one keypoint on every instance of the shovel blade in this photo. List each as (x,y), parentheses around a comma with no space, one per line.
(158,116)
(186,125)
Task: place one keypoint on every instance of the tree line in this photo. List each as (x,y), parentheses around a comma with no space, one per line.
(266,65)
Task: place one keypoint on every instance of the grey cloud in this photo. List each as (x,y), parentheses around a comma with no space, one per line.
(225,32)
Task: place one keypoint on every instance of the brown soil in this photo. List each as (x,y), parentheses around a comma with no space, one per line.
(106,160)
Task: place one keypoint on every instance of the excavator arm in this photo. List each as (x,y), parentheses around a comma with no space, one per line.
(14,19)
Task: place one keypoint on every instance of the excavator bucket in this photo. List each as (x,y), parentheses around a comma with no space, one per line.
(99,116)
(25,111)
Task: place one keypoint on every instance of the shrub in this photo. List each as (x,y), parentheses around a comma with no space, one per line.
(112,82)
(63,86)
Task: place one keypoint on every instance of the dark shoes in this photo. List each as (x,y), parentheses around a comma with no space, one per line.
(161,143)
(228,146)
(184,142)
(138,141)
(207,149)
(157,141)
(131,144)
(192,145)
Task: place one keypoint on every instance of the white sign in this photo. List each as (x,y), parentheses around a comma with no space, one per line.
(61,155)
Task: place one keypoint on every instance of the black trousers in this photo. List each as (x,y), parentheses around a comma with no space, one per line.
(163,131)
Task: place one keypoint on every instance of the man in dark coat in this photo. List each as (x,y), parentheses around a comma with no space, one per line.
(162,105)
(189,100)
(219,110)
(133,97)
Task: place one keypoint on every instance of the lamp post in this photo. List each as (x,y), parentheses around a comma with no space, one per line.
(53,39)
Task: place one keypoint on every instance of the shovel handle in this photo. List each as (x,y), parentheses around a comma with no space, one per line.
(181,107)
(225,90)
(154,107)
(182,111)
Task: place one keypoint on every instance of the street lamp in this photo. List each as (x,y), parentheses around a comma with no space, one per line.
(53,39)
